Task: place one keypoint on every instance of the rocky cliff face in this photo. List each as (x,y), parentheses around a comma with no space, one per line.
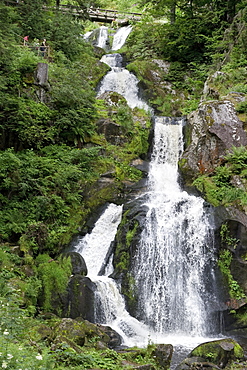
(214,129)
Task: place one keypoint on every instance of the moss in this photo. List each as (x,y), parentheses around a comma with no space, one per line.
(98,196)
(206,186)
(123,263)
(214,351)
(224,263)
(131,233)
(238,351)
(206,351)
(187,135)
(183,163)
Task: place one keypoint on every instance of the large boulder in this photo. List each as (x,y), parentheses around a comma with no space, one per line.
(125,246)
(162,354)
(79,332)
(213,355)
(115,339)
(78,263)
(159,354)
(113,132)
(80,299)
(212,130)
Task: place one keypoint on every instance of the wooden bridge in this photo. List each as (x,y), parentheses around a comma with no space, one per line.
(100,15)
(94,14)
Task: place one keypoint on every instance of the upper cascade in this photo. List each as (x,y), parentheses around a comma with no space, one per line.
(100,37)
(120,37)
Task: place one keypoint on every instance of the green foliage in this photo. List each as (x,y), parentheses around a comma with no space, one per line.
(64,33)
(226,238)
(40,194)
(206,186)
(219,188)
(131,233)
(224,263)
(54,276)
(124,117)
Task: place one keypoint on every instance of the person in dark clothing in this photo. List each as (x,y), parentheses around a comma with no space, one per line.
(43,48)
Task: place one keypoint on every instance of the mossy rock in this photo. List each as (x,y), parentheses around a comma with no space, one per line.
(81,332)
(40,332)
(219,352)
(78,263)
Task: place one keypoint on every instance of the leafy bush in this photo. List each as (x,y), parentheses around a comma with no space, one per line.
(220,187)
(40,194)
(54,276)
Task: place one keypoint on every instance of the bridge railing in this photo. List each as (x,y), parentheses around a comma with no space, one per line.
(91,9)
(99,13)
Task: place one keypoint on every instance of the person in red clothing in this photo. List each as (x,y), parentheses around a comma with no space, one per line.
(25,40)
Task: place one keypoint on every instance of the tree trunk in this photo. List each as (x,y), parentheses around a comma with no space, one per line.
(173,13)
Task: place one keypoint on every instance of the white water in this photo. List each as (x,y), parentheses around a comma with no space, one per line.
(123,82)
(102,40)
(94,246)
(103,37)
(176,250)
(120,37)
(174,262)
(119,79)
(175,255)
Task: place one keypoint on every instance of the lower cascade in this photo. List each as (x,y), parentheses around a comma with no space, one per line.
(174,263)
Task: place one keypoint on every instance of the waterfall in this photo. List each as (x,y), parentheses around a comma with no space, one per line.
(94,246)
(103,37)
(120,80)
(173,267)
(109,304)
(100,37)
(120,37)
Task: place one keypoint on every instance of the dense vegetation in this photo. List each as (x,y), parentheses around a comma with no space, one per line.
(52,154)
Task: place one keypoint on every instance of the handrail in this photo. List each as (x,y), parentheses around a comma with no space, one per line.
(93,12)
(45,52)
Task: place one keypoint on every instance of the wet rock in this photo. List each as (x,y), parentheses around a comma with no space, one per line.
(141,165)
(80,300)
(115,339)
(163,355)
(78,263)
